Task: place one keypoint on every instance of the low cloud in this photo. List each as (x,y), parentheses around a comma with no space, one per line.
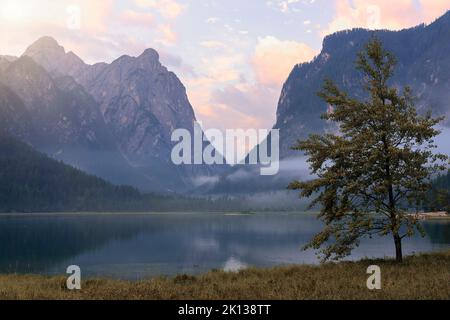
(205,180)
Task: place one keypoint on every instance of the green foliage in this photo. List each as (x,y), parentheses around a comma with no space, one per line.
(377,167)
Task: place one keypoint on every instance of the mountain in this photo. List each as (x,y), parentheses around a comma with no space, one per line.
(52,57)
(142,103)
(63,115)
(112,120)
(423,64)
(56,116)
(32,182)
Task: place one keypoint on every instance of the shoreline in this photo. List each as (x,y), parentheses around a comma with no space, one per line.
(423,276)
(229,213)
(438,215)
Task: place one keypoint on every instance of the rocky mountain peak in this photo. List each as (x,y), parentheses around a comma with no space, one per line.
(47,52)
(148,62)
(149,54)
(45,45)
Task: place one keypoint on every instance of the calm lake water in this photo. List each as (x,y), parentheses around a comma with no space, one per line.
(133,246)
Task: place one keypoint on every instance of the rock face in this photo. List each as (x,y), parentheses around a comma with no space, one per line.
(142,103)
(63,115)
(131,105)
(423,64)
(14,117)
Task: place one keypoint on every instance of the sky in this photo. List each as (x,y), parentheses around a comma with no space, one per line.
(233,56)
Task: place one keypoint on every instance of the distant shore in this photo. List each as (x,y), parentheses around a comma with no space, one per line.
(418,277)
(431,215)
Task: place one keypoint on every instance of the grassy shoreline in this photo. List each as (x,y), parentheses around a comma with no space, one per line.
(424,276)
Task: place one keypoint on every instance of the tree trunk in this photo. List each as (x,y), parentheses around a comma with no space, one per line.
(398,248)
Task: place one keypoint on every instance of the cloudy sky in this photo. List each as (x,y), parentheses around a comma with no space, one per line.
(232,55)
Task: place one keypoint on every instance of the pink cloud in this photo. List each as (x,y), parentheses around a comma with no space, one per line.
(170,9)
(94,15)
(432,9)
(224,105)
(139,19)
(256,100)
(384,14)
(167,35)
(274,59)
(377,15)
(223,96)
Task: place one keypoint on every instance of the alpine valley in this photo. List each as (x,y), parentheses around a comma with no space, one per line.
(115,120)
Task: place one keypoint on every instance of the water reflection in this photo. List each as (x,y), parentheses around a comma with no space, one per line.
(438,231)
(136,246)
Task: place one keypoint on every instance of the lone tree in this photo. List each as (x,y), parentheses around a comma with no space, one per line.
(377,168)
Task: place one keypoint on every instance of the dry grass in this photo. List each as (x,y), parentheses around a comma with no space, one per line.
(419,277)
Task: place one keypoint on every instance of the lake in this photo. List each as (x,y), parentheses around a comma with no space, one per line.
(135,246)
